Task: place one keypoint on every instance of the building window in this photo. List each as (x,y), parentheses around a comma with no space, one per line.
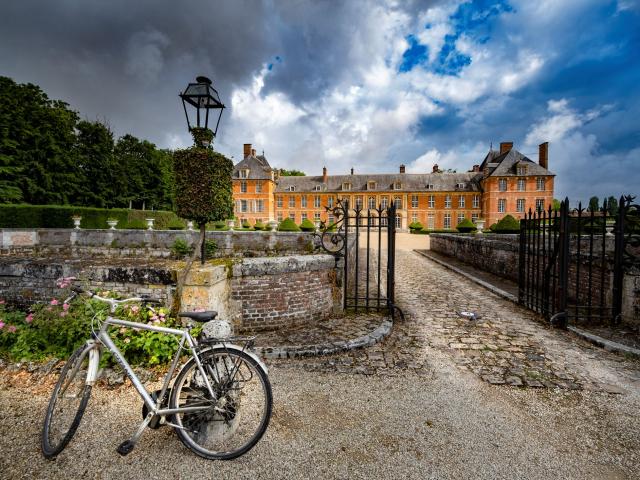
(303,201)
(304,216)
(447,201)
(259,205)
(522,184)
(371,186)
(279,201)
(346,186)
(330,202)
(292,202)
(383,221)
(244,173)
(317,188)
(358,203)
(398,202)
(414,217)
(461,201)
(243,206)
(540,184)
(414,201)
(502,184)
(476,201)
(520,205)
(460,185)
(292,216)
(429,186)
(384,201)
(258,187)
(522,169)
(243,187)
(397,186)
(474,217)
(279,217)
(331,219)
(431,221)
(372,202)
(398,221)
(502,205)
(432,201)
(447,220)
(316,215)
(539,204)
(460,217)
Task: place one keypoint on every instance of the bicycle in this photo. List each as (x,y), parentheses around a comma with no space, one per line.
(219,404)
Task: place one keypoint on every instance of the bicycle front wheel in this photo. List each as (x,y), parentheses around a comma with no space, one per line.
(68,402)
(235,418)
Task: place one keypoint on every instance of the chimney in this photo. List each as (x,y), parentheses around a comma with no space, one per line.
(401,168)
(543,155)
(505,147)
(324,174)
(435,168)
(476,168)
(247,150)
(351,170)
(253,152)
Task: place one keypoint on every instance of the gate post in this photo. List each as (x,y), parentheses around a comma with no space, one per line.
(563,274)
(391,256)
(521,261)
(618,258)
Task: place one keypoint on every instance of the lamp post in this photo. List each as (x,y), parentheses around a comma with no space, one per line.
(202,96)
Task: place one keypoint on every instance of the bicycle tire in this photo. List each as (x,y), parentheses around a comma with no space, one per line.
(52,442)
(232,414)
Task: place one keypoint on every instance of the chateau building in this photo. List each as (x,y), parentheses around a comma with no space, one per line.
(506,182)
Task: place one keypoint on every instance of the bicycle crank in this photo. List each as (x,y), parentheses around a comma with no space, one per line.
(157,421)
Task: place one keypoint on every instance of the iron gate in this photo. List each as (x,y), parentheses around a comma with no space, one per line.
(363,242)
(572,262)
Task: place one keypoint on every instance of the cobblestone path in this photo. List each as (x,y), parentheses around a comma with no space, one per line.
(508,345)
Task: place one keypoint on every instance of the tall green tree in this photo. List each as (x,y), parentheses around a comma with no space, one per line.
(594,204)
(612,206)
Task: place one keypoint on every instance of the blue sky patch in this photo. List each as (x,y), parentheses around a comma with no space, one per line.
(416,54)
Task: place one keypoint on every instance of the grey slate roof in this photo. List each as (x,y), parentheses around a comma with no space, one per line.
(384,182)
(259,168)
(505,165)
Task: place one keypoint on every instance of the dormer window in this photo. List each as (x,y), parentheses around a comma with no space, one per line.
(346,186)
(522,169)
(429,186)
(371,185)
(397,186)
(317,188)
(291,189)
(460,186)
(244,173)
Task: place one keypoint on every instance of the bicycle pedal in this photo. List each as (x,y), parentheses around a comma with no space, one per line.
(125,448)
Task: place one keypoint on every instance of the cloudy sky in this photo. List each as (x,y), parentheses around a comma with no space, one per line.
(368,84)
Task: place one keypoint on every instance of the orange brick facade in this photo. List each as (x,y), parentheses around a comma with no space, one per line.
(438,200)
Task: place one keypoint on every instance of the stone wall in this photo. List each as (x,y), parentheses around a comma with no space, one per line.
(497,254)
(147,243)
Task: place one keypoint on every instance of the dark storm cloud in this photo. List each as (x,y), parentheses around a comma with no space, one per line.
(126,61)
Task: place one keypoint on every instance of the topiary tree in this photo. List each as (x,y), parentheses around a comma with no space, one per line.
(307,226)
(507,224)
(259,225)
(202,183)
(288,225)
(415,226)
(466,226)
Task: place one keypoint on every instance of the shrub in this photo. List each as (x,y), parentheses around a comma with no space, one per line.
(136,224)
(176,224)
(181,248)
(493,226)
(288,225)
(246,224)
(210,248)
(508,224)
(426,231)
(415,226)
(466,226)
(259,226)
(307,226)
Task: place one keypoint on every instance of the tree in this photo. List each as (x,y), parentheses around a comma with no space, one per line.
(101,180)
(555,205)
(291,173)
(612,206)
(594,204)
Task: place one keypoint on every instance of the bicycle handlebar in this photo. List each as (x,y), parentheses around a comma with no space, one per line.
(113,301)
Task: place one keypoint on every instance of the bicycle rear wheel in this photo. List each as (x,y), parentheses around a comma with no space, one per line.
(68,402)
(238,415)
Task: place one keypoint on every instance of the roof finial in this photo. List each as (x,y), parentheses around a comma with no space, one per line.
(491,146)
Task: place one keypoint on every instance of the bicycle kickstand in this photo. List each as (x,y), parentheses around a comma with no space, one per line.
(125,447)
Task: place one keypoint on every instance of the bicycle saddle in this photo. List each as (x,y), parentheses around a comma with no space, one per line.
(199,316)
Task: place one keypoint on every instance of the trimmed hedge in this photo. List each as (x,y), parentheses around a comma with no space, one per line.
(288,225)
(507,224)
(466,226)
(307,226)
(416,226)
(60,216)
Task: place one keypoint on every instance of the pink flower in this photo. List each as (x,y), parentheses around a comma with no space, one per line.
(135,308)
(1,324)
(29,318)
(154,318)
(63,314)
(65,306)
(1,302)
(11,328)
(54,302)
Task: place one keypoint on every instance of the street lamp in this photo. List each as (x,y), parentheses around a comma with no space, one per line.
(202,96)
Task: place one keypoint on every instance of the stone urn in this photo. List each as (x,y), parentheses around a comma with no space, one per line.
(273,225)
(149,223)
(190,225)
(231,224)
(76,222)
(610,226)
(480,225)
(112,222)
(316,222)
